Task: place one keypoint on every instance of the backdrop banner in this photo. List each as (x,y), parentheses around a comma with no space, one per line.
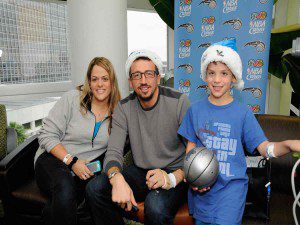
(199,23)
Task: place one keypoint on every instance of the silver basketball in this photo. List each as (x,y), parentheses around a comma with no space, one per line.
(201,167)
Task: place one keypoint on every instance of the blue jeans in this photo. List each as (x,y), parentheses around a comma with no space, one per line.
(160,207)
(65,191)
(199,222)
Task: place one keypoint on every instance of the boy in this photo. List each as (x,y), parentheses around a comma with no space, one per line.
(224,125)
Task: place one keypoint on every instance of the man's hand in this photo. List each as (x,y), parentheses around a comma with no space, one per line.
(155,179)
(81,170)
(122,193)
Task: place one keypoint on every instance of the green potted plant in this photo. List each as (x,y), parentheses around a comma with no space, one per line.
(21,132)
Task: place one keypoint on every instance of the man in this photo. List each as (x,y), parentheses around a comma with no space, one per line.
(151,116)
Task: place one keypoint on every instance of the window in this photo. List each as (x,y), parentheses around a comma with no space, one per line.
(33,38)
(147,31)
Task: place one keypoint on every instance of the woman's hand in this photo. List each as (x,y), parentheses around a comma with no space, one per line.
(81,170)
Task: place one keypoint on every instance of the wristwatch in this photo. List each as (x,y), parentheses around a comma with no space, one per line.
(112,174)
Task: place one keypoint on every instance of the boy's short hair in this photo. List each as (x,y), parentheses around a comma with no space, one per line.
(225,52)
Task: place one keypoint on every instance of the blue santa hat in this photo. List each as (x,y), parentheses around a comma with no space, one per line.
(225,52)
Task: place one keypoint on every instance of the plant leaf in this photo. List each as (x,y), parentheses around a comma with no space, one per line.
(293,66)
(275,67)
(282,38)
(165,9)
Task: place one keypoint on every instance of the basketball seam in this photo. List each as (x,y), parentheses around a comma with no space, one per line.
(205,167)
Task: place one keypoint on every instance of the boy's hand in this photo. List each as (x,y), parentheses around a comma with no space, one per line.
(201,190)
(197,189)
(294,145)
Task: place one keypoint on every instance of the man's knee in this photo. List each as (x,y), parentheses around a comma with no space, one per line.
(157,209)
(97,186)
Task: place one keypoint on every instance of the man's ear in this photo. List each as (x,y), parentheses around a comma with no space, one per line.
(130,83)
(158,78)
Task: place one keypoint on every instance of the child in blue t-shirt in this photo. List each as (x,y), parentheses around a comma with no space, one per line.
(223,125)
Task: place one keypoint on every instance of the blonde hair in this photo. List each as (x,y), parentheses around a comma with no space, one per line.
(86,94)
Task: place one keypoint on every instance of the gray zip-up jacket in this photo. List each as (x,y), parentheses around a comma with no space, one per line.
(67,126)
(152,132)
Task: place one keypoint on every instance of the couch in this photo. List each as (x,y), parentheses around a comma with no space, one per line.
(8,141)
(8,136)
(23,201)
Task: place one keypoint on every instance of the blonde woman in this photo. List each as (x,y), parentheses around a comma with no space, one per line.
(75,132)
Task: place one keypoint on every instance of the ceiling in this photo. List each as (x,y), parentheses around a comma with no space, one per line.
(139,5)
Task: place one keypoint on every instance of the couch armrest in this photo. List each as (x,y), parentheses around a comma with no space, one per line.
(18,167)
(11,139)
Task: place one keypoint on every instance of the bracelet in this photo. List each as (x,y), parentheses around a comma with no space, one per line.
(66,158)
(74,160)
(270,150)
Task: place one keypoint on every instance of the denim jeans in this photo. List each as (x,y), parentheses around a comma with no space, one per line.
(160,206)
(199,222)
(64,190)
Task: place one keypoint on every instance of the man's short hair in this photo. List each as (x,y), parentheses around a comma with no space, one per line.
(144,54)
(147,59)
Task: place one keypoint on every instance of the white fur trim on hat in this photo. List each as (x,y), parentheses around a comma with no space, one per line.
(219,53)
(144,53)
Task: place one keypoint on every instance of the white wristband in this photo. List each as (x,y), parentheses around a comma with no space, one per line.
(66,158)
(172,179)
(270,150)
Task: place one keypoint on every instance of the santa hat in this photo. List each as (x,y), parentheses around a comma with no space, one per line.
(225,52)
(144,53)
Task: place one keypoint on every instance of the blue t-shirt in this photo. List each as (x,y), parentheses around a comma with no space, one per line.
(225,130)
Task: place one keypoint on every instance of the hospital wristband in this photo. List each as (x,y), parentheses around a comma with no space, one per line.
(270,150)
(66,158)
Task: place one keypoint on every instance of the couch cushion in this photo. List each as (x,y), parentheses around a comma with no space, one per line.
(30,192)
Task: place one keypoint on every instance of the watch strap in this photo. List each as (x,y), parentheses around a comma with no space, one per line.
(74,160)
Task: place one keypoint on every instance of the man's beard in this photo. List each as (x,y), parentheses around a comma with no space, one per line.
(146,99)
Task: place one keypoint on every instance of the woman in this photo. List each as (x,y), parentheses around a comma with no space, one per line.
(75,132)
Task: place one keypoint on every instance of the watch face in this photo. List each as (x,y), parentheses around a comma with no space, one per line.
(111,175)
